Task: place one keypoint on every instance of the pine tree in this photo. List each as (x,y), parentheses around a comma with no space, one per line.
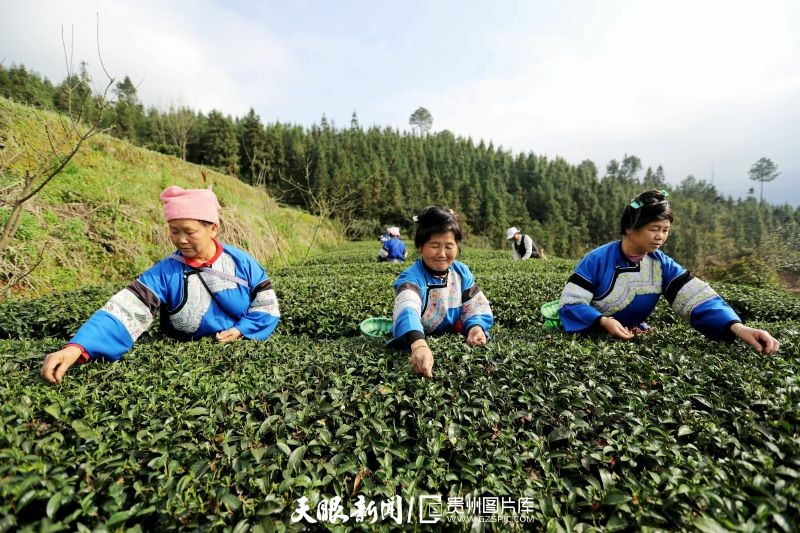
(128,113)
(220,146)
(763,171)
(251,148)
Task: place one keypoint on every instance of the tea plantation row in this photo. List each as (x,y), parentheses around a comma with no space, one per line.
(329,299)
(669,431)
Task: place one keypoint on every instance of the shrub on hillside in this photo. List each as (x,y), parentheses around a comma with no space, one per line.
(750,269)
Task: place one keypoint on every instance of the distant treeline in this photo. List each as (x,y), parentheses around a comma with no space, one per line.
(375,177)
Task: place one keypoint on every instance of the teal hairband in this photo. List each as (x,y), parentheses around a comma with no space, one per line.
(636,204)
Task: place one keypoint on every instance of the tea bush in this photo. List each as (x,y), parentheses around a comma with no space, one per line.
(669,431)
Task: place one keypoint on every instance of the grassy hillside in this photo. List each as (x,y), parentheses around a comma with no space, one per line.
(101,220)
(578,433)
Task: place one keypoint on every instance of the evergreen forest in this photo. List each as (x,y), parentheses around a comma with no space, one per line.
(368,178)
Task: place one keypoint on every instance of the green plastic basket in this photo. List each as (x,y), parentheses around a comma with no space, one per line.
(377,327)
(550,314)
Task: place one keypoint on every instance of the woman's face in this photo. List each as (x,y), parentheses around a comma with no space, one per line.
(193,238)
(440,251)
(649,237)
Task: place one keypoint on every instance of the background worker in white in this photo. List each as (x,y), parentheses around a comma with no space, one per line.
(523,246)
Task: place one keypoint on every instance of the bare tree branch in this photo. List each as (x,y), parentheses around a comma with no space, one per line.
(40,169)
(325,203)
(260,183)
(99,55)
(16,280)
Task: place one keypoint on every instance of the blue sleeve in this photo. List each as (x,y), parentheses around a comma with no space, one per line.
(111,331)
(103,336)
(407,314)
(713,318)
(575,309)
(694,300)
(258,325)
(263,315)
(475,307)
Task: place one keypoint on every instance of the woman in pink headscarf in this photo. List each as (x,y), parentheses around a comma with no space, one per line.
(393,249)
(205,288)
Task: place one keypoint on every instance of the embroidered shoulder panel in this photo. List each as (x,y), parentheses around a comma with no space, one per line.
(224,264)
(627,284)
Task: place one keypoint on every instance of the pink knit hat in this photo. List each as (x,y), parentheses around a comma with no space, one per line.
(198,204)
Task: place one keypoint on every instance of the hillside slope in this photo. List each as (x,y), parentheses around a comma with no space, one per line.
(100,219)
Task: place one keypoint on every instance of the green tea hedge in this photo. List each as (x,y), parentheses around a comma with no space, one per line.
(669,431)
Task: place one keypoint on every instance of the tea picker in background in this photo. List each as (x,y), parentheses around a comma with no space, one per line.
(437,294)
(615,287)
(522,246)
(393,249)
(204,289)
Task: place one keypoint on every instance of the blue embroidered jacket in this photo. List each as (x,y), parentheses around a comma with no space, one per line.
(427,305)
(185,294)
(395,250)
(607,283)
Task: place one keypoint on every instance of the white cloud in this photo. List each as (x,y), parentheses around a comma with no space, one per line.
(197,53)
(681,83)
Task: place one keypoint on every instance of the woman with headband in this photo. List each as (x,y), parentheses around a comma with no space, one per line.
(204,289)
(616,287)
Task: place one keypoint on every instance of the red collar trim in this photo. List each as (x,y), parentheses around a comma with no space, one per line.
(198,264)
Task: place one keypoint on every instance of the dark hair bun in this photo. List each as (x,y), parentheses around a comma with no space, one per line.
(433,220)
(647,207)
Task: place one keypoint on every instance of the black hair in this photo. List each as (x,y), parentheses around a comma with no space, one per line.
(645,208)
(433,220)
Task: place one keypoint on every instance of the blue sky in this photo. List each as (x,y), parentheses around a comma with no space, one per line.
(690,85)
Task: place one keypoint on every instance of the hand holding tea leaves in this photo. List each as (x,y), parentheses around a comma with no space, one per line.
(57,363)
(421,359)
(613,327)
(476,336)
(759,339)
(228,335)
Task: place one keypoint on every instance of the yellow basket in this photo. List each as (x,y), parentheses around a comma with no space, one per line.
(550,314)
(377,327)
